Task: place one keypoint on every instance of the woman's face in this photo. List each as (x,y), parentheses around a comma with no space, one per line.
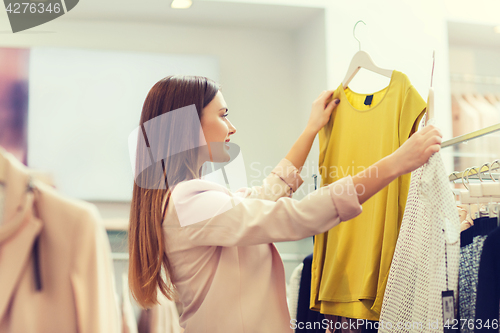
(217,130)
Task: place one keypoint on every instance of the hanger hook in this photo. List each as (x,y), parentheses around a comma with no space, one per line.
(354,33)
(463,176)
(481,168)
(491,168)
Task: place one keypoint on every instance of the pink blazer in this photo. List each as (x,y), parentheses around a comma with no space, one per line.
(77,288)
(227,271)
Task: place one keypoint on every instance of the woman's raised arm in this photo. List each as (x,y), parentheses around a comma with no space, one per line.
(415,152)
(320,114)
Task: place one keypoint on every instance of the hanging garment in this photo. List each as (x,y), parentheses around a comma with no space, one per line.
(488,286)
(471,247)
(56,269)
(488,115)
(308,321)
(292,291)
(228,274)
(426,258)
(351,262)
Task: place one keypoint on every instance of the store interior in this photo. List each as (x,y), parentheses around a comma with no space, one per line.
(79,83)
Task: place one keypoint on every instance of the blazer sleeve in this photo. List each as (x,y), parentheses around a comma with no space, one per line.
(92,277)
(220,218)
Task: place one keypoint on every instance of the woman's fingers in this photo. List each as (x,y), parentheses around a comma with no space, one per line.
(432,139)
(417,150)
(325,94)
(321,110)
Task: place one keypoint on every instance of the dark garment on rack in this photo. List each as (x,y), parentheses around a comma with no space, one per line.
(488,287)
(305,316)
(471,246)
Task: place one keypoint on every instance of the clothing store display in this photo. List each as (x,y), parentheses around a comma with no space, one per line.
(306,316)
(292,290)
(488,285)
(55,262)
(225,265)
(352,261)
(471,247)
(426,257)
(488,115)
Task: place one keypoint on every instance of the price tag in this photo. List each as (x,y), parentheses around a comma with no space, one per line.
(448,309)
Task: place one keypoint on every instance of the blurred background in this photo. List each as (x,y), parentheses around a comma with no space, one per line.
(72,89)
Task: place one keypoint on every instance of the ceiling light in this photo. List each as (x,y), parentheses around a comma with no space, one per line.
(497,29)
(181,3)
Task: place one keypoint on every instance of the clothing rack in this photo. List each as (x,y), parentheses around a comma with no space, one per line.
(471,135)
(473,172)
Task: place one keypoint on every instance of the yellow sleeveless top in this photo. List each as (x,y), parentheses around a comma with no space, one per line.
(351,262)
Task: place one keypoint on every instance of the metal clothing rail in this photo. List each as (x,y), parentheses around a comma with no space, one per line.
(123,256)
(473,172)
(471,135)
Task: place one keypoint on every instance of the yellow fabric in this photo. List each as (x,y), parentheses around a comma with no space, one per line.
(351,262)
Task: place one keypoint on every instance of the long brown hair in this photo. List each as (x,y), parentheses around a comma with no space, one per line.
(149,266)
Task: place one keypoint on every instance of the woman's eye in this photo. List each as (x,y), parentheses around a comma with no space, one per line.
(225,115)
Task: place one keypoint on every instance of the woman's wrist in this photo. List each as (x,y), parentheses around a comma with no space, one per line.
(395,165)
(310,131)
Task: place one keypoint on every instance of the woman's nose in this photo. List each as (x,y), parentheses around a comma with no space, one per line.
(232,129)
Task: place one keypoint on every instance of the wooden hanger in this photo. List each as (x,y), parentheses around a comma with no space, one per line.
(362,60)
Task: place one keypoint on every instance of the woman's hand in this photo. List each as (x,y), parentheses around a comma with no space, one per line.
(321,111)
(417,150)
(411,155)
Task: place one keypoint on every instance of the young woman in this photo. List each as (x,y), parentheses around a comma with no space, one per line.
(211,249)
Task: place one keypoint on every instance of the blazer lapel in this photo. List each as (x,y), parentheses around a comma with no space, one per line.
(16,238)
(14,255)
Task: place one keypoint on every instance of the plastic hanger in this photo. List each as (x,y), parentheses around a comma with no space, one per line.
(362,60)
(483,193)
(465,194)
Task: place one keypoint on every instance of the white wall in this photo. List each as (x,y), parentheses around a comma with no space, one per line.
(398,35)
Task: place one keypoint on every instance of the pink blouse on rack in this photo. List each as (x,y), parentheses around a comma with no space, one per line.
(228,273)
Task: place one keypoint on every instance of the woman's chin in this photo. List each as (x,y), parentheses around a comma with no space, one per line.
(221,157)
